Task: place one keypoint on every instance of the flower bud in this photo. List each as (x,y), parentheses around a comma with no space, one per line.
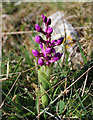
(38,39)
(50,30)
(42,15)
(59,41)
(48,22)
(44,18)
(40,61)
(38,28)
(35,53)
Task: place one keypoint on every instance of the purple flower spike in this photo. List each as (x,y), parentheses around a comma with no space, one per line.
(48,54)
(50,30)
(38,28)
(40,61)
(38,39)
(35,53)
(57,56)
(59,41)
(48,50)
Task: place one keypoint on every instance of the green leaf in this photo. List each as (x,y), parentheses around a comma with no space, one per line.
(43,76)
(24,101)
(36,103)
(81,51)
(13,118)
(18,64)
(44,82)
(61,106)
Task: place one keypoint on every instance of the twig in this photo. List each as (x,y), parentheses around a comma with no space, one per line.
(84,84)
(27,32)
(84,27)
(19,32)
(46,93)
(52,87)
(10,90)
(7,69)
(65,91)
(57,111)
(0,54)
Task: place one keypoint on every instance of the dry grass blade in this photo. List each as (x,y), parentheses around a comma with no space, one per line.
(17,72)
(7,69)
(85,84)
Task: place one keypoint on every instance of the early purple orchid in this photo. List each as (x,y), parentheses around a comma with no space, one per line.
(48,53)
(47,56)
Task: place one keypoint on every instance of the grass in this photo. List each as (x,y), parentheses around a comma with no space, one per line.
(20,86)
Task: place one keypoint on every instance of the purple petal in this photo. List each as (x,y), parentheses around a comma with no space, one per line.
(51,61)
(46,30)
(53,50)
(38,39)
(42,15)
(59,41)
(50,30)
(47,63)
(38,28)
(57,56)
(40,61)
(43,52)
(35,53)
(48,21)
(50,55)
(47,42)
(41,46)
(44,18)
(48,50)
(53,41)
(47,58)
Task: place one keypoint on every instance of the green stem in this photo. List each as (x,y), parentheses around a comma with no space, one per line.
(44,78)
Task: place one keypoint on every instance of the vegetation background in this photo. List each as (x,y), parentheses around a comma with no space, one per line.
(71,96)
